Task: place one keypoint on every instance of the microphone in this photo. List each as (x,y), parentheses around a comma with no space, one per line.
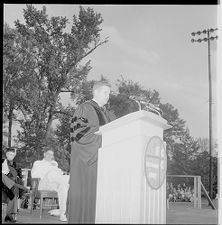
(132,97)
(154,109)
(149,106)
(136,100)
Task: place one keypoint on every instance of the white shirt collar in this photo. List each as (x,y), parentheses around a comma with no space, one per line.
(97,102)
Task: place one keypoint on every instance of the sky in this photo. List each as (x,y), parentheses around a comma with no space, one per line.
(151,45)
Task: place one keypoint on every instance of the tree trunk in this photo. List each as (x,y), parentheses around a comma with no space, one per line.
(48,132)
(49,124)
(50,117)
(10,117)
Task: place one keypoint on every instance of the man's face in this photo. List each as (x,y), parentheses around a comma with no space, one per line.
(49,155)
(10,155)
(102,95)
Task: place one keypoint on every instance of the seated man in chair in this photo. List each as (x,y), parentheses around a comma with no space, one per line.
(11,185)
(52,179)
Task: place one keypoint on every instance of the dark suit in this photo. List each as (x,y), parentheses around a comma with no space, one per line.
(10,193)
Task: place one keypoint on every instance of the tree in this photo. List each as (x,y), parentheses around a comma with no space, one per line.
(57,56)
(17,72)
(184,152)
(122,105)
(62,136)
(58,53)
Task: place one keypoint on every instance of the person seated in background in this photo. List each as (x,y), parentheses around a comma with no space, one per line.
(11,185)
(52,178)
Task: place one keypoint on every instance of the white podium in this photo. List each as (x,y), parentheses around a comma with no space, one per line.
(131,182)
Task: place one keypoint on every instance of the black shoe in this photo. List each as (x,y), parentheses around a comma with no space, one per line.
(9,218)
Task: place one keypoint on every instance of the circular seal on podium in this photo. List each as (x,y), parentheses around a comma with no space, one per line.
(155,162)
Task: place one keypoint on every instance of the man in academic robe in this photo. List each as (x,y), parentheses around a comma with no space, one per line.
(87,119)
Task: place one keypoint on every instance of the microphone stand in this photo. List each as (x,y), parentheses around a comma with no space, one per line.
(150,107)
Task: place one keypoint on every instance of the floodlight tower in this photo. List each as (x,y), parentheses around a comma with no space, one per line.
(207,39)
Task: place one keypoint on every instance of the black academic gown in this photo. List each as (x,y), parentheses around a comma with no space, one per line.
(87,119)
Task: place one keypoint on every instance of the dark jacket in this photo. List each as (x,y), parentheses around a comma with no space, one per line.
(16,175)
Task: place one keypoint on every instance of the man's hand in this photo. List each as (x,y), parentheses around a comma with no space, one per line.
(5,168)
(54,163)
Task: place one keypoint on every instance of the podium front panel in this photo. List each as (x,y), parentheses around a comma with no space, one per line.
(123,194)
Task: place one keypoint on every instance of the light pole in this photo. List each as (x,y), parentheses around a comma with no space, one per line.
(207,39)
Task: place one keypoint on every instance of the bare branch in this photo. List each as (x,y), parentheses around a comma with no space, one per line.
(87,53)
(91,50)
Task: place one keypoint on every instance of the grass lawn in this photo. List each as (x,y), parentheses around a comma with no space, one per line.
(185,213)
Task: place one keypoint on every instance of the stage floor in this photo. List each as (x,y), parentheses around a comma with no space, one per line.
(178,213)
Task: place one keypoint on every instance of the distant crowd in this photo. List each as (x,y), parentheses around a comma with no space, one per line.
(181,193)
